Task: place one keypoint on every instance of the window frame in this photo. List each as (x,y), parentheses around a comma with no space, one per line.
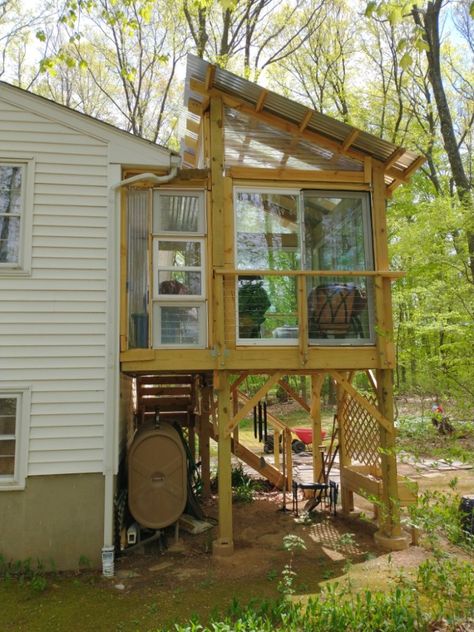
(23,396)
(369,257)
(21,267)
(176,300)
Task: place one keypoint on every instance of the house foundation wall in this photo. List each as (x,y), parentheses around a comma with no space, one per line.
(56,519)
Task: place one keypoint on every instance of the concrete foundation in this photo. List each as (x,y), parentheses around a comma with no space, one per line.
(56,519)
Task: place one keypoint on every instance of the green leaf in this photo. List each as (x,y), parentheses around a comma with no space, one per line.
(41,36)
(406,61)
(471,10)
(402,44)
(421,45)
(395,16)
(371,6)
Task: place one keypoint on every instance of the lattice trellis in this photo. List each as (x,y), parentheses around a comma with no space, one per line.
(361,432)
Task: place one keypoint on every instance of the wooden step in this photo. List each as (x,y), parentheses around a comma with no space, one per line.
(254,461)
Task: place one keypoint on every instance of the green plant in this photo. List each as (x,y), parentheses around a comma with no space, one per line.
(291,544)
(437,514)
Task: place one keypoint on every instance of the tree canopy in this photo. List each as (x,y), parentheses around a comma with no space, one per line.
(401,70)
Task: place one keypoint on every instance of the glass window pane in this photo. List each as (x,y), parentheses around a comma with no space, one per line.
(10,189)
(176,213)
(338,310)
(179,254)
(8,406)
(7,465)
(267,308)
(9,239)
(177,282)
(335,235)
(267,231)
(180,325)
(7,425)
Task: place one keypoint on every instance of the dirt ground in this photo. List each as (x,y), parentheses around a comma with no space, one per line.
(334,547)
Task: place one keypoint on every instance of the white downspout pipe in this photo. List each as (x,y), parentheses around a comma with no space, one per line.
(113,374)
(149,177)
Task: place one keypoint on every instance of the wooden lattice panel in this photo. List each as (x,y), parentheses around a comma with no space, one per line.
(361,432)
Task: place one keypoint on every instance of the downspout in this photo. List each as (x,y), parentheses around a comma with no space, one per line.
(109,470)
(151,177)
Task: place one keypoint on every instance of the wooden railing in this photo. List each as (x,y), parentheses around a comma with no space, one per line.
(225,332)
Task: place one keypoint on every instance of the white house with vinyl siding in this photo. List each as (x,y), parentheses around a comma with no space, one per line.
(59,311)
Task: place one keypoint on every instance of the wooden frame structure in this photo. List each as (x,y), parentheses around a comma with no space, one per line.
(378,168)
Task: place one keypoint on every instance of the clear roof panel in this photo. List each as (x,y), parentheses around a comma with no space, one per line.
(251,143)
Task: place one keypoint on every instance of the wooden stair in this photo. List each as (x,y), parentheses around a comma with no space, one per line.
(170,396)
(257,463)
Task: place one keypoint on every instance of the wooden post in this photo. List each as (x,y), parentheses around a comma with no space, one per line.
(347,497)
(204,449)
(390,534)
(382,285)
(224,545)
(276,447)
(216,140)
(315,412)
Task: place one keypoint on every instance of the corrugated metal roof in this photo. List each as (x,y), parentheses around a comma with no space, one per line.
(275,104)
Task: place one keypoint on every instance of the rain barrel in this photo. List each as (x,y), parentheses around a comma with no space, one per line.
(157,476)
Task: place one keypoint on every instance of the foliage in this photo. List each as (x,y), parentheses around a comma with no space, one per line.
(25,572)
(438,515)
(243,485)
(406,606)
(291,544)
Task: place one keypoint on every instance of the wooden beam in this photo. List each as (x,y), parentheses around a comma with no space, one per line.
(368,169)
(189,159)
(303,333)
(391,160)
(413,167)
(224,544)
(274,421)
(306,119)
(274,119)
(390,526)
(191,142)
(196,107)
(294,395)
(261,100)
(193,126)
(316,385)
(363,401)
(237,382)
(350,138)
(309,175)
(210,74)
(253,401)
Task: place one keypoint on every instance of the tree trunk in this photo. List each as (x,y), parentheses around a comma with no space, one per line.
(428,20)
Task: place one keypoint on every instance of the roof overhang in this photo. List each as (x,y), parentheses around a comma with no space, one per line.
(204,80)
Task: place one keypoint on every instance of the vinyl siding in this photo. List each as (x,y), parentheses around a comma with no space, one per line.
(53,323)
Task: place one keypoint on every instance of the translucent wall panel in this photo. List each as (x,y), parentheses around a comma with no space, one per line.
(138,257)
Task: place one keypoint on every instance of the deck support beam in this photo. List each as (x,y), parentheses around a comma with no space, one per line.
(315,412)
(390,534)
(224,545)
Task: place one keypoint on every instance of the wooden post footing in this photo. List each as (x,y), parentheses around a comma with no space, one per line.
(222,548)
(392,543)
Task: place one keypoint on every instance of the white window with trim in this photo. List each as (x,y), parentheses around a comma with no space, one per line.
(15,216)
(14,424)
(178,269)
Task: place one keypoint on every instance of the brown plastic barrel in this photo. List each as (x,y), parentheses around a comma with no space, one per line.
(157,480)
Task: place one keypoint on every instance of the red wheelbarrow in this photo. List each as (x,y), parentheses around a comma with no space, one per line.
(305,438)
